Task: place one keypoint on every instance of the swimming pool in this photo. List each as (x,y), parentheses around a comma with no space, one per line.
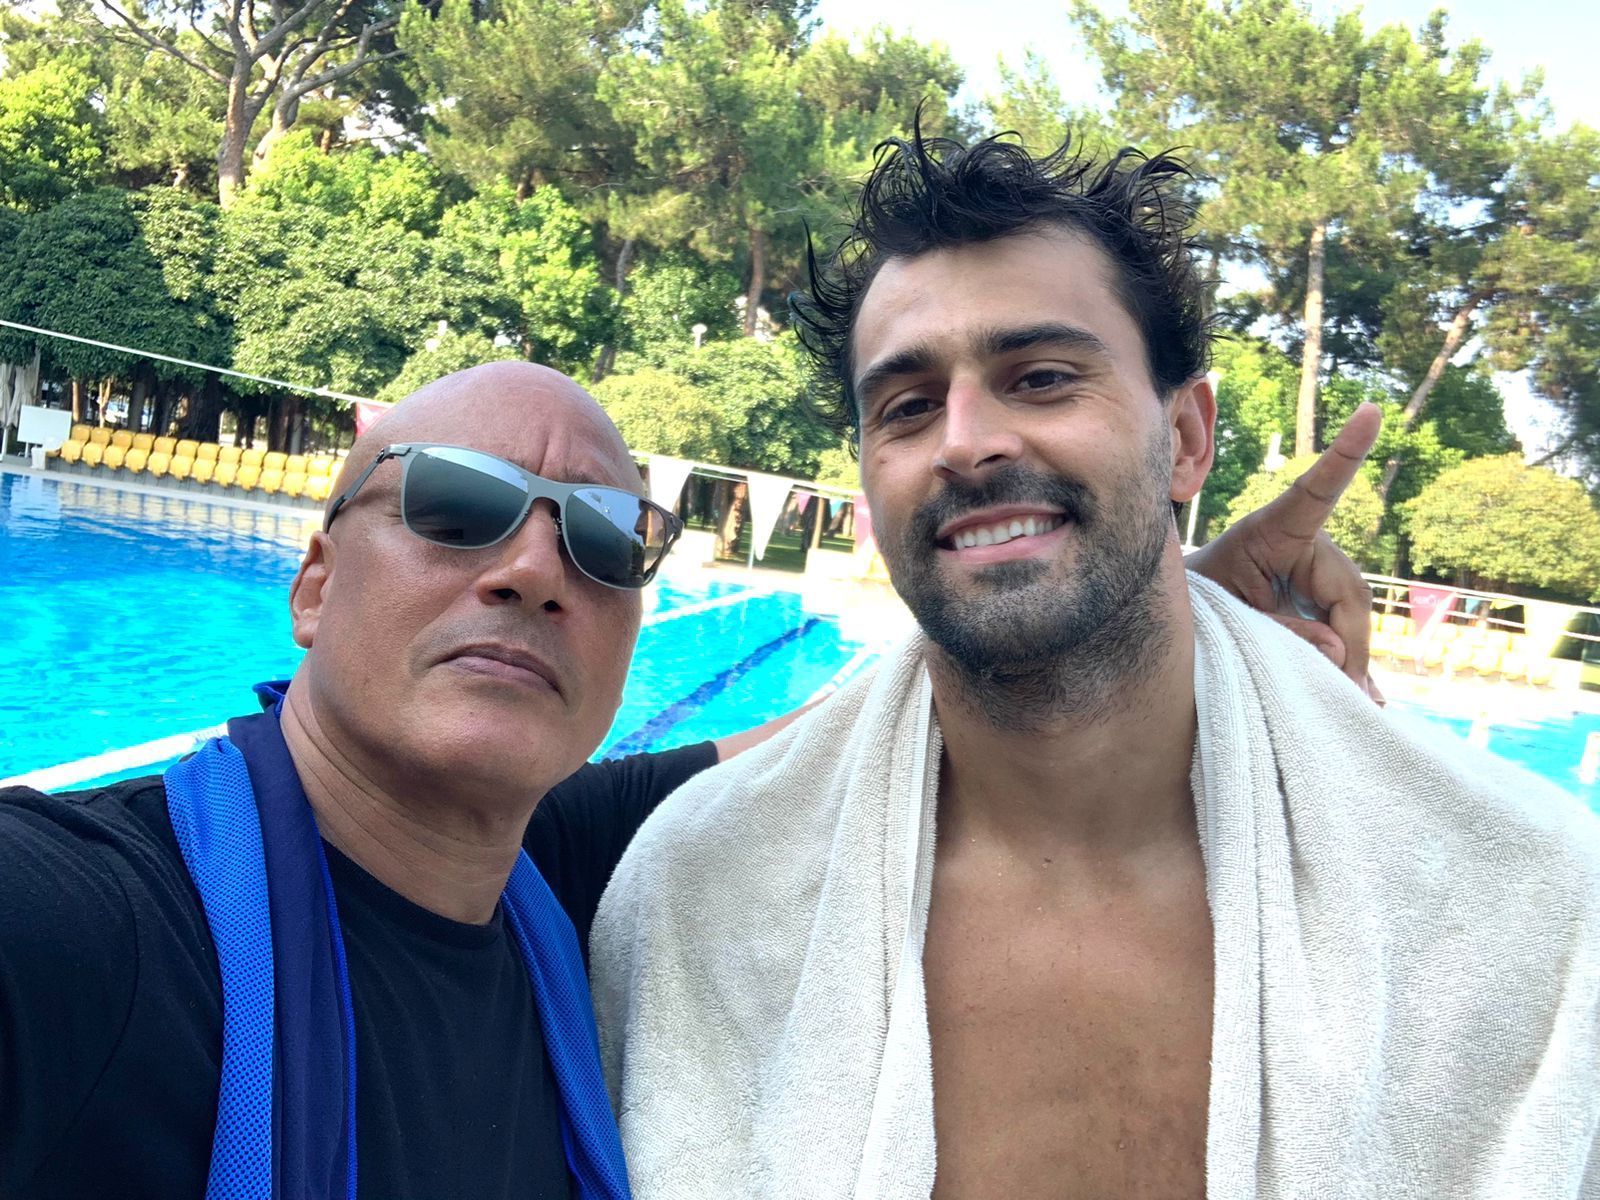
(132,617)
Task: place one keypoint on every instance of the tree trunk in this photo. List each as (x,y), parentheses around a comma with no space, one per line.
(205,413)
(607,358)
(278,425)
(163,416)
(731,519)
(1305,422)
(284,115)
(77,400)
(1454,336)
(758,277)
(104,399)
(239,116)
(136,403)
(244,427)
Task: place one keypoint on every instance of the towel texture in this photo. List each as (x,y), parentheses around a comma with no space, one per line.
(1407,995)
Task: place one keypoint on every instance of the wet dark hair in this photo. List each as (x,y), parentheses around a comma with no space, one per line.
(932,193)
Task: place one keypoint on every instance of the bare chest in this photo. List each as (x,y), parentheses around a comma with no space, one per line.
(1071,1035)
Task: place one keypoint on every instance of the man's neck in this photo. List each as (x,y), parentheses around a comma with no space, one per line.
(450,859)
(1107,775)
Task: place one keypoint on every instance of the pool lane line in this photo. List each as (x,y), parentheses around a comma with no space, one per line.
(862,658)
(128,758)
(699,606)
(679,711)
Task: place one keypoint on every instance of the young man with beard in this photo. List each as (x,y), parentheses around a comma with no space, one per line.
(1102,886)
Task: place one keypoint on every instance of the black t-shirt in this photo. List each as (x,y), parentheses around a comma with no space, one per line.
(111,1005)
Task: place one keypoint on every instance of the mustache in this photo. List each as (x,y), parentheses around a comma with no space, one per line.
(1015,484)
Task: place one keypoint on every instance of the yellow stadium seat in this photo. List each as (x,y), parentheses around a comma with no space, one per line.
(225,473)
(294,483)
(203,470)
(1487,661)
(93,453)
(186,448)
(1513,665)
(137,457)
(252,457)
(80,433)
(114,455)
(181,467)
(121,438)
(100,436)
(1433,657)
(72,449)
(208,452)
(271,479)
(1541,672)
(144,441)
(1395,624)
(274,461)
(159,463)
(295,462)
(321,465)
(166,445)
(318,487)
(249,475)
(228,454)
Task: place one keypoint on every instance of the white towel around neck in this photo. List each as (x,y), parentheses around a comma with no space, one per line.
(1407,989)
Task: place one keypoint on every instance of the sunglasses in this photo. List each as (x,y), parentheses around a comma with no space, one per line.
(467,499)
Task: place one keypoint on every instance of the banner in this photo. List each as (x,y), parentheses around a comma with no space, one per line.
(1429,604)
(666,478)
(767,495)
(367,414)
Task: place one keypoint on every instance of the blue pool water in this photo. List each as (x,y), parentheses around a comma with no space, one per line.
(129,618)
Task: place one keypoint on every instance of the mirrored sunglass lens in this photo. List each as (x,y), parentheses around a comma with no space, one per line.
(461,497)
(614,536)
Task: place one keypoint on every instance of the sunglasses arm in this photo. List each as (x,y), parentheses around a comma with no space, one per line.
(349,493)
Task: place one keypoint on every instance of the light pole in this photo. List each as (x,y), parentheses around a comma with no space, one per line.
(699,332)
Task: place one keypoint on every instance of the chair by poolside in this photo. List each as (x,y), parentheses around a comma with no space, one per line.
(144,441)
(271,479)
(274,461)
(100,436)
(166,445)
(294,483)
(160,461)
(229,454)
(249,474)
(80,433)
(252,457)
(227,471)
(186,448)
(137,458)
(204,468)
(208,452)
(318,487)
(122,439)
(72,449)
(182,466)
(115,455)
(93,453)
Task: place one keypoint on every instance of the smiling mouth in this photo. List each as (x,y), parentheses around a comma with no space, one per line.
(998,533)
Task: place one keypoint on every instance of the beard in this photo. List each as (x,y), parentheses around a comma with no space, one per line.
(1028,645)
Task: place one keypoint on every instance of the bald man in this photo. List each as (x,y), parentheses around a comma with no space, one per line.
(342,936)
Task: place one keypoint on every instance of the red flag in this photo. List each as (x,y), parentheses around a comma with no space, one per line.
(367,412)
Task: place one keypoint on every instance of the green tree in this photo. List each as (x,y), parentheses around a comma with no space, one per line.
(50,135)
(1498,524)
(660,413)
(838,467)
(667,298)
(1318,132)
(760,390)
(1255,399)
(443,356)
(1355,525)
(511,87)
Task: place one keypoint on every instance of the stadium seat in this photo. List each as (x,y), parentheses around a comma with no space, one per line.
(166,445)
(136,460)
(186,448)
(322,465)
(294,483)
(252,457)
(204,468)
(274,460)
(160,462)
(72,449)
(80,433)
(318,487)
(181,467)
(115,455)
(207,452)
(1541,672)
(271,479)
(144,441)
(228,454)
(1513,666)
(94,452)
(226,473)
(249,475)
(295,462)
(121,438)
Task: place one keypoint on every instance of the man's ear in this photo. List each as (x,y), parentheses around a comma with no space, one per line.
(1192,413)
(309,589)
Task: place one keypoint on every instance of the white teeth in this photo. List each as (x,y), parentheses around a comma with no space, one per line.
(1003,531)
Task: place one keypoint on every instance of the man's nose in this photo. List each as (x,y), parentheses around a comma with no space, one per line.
(529,568)
(978,432)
